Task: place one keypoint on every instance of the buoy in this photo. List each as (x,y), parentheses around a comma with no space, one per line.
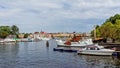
(47,44)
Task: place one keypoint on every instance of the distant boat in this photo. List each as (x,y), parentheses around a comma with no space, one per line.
(1,41)
(8,41)
(26,40)
(45,39)
(41,39)
(60,42)
(96,50)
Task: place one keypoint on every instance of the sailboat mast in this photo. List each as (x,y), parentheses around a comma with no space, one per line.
(95,32)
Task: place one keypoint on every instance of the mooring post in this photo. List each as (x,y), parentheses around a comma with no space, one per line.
(47,44)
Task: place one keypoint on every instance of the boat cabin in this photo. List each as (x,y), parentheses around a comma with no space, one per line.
(92,48)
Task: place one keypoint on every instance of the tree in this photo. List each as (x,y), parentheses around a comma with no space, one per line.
(4,31)
(15,30)
(3,34)
(7,30)
(97,29)
(110,28)
(112,19)
(117,27)
(105,29)
(26,35)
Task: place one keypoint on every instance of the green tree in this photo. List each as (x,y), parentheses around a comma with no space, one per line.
(4,31)
(112,19)
(14,29)
(3,34)
(26,35)
(97,29)
(7,30)
(110,28)
(105,29)
(117,27)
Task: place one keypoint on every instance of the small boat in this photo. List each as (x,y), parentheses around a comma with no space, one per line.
(9,41)
(45,39)
(42,39)
(60,42)
(1,42)
(96,50)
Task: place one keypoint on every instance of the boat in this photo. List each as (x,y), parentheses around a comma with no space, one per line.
(60,42)
(96,50)
(8,41)
(42,39)
(45,39)
(80,43)
(1,42)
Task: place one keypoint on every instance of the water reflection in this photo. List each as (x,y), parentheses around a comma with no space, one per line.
(9,49)
(116,61)
(101,61)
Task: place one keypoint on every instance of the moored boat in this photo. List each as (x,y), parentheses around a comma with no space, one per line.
(9,41)
(95,50)
(1,42)
(80,43)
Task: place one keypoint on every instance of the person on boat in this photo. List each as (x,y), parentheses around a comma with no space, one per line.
(68,42)
(76,39)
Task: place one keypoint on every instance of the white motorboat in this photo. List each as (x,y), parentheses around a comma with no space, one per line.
(79,43)
(60,42)
(46,39)
(42,38)
(95,50)
(1,41)
(7,41)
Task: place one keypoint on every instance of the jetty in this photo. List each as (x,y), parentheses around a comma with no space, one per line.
(66,49)
(116,46)
(70,46)
(110,44)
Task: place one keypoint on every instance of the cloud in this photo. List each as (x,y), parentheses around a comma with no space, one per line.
(9,12)
(51,15)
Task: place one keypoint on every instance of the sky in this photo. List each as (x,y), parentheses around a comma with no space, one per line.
(57,15)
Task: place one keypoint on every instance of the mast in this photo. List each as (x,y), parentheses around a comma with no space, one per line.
(94,32)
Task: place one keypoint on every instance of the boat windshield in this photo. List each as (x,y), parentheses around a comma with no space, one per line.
(92,48)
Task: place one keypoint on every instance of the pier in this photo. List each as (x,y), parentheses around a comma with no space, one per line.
(110,45)
(61,49)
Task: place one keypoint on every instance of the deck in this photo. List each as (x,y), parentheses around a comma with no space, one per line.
(64,49)
(110,45)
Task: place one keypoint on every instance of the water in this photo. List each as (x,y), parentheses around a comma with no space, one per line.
(37,55)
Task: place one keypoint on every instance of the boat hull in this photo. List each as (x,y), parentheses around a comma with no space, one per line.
(96,52)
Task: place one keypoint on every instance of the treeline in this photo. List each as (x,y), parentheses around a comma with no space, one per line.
(8,30)
(110,29)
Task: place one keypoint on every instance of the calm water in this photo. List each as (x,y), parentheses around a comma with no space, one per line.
(37,55)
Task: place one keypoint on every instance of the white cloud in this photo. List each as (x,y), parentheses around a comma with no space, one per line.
(9,12)
(55,12)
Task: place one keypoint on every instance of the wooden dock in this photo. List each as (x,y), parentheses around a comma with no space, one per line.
(70,46)
(66,49)
(117,51)
(109,45)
